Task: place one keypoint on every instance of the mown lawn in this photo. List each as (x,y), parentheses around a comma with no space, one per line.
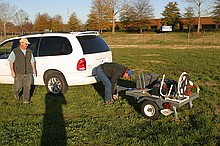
(80,118)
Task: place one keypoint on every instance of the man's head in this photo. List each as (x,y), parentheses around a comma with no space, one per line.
(128,74)
(24,43)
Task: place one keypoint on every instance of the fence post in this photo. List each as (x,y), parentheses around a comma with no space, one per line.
(214,38)
(188,38)
(165,37)
(109,39)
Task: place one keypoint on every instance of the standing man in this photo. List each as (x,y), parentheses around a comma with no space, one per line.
(109,73)
(22,65)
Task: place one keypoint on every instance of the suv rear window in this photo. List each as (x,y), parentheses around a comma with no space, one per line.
(93,44)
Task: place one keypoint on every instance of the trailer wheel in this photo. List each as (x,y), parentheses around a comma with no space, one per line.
(150,110)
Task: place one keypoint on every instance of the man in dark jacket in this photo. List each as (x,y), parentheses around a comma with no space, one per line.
(22,65)
(109,73)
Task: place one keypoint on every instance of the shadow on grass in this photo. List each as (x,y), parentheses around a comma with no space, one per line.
(131,100)
(54,132)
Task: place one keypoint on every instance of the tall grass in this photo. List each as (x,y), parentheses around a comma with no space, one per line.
(80,118)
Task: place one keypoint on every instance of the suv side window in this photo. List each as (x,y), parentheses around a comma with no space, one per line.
(51,46)
(93,44)
(33,46)
(5,49)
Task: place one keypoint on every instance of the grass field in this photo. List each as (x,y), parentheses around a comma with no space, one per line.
(80,118)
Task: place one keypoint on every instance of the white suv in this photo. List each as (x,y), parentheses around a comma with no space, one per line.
(62,59)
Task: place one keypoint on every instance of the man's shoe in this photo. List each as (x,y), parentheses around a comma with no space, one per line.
(108,102)
(16,97)
(27,102)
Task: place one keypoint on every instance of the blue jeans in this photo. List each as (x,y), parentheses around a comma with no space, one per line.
(105,80)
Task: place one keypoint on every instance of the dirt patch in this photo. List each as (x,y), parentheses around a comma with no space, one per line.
(154,61)
(165,46)
(149,55)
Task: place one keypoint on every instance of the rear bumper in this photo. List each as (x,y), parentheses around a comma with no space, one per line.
(72,81)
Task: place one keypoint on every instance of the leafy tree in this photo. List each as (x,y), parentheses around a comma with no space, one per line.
(143,12)
(171,14)
(74,23)
(100,16)
(42,22)
(189,14)
(6,14)
(27,26)
(57,23)
(92,21)
(216,13)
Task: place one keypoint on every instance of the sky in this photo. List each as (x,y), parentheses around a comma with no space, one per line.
(81,7)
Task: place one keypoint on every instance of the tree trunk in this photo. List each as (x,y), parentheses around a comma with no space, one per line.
(113,25)
(199,17)
(4,28)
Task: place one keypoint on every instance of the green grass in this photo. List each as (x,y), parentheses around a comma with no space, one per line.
(79,118)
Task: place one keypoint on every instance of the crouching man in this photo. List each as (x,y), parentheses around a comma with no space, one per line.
(109,73)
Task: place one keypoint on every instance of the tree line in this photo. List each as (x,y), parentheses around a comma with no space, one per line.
(136,14)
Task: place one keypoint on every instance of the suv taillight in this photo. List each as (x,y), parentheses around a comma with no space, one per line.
(81,65)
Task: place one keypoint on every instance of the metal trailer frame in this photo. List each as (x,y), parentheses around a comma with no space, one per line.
(142,95)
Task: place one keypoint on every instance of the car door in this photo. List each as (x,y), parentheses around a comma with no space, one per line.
(5,49)
(5,72)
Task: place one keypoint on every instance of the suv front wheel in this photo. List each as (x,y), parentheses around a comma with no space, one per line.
(56,84)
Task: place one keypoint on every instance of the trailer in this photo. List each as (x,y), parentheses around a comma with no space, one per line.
(159,96)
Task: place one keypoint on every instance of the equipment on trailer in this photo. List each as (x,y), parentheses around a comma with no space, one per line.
(158,96)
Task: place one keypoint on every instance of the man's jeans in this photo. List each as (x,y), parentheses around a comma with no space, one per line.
(105,80)
(25,82)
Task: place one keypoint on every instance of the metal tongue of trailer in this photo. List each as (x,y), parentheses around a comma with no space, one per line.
(158,96)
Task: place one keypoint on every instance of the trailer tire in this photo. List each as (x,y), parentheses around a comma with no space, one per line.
(150,110)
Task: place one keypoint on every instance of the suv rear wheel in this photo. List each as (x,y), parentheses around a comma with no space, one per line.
(56,84)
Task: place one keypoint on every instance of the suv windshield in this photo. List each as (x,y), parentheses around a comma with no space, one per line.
(93,44)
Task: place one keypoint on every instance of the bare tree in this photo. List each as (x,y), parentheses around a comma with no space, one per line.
(143,13)
(7,14)
(126,14)
(198,6)
(21,18)
(115,8)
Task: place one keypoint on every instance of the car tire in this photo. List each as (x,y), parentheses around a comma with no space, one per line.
(56,84)
(150,110)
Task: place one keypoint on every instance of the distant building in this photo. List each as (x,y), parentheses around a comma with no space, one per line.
(156,24)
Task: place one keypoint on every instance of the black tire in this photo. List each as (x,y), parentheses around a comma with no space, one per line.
(56,84)
(150,110)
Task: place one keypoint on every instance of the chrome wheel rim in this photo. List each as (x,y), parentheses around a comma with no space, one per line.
(54,85)
(149,110)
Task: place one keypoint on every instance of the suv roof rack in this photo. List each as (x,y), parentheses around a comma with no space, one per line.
(85,33)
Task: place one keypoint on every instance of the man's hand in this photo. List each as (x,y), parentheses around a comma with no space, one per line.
(13,74)
(35,73)
(115,97)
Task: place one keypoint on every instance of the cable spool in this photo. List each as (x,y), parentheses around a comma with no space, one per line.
(183,84)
